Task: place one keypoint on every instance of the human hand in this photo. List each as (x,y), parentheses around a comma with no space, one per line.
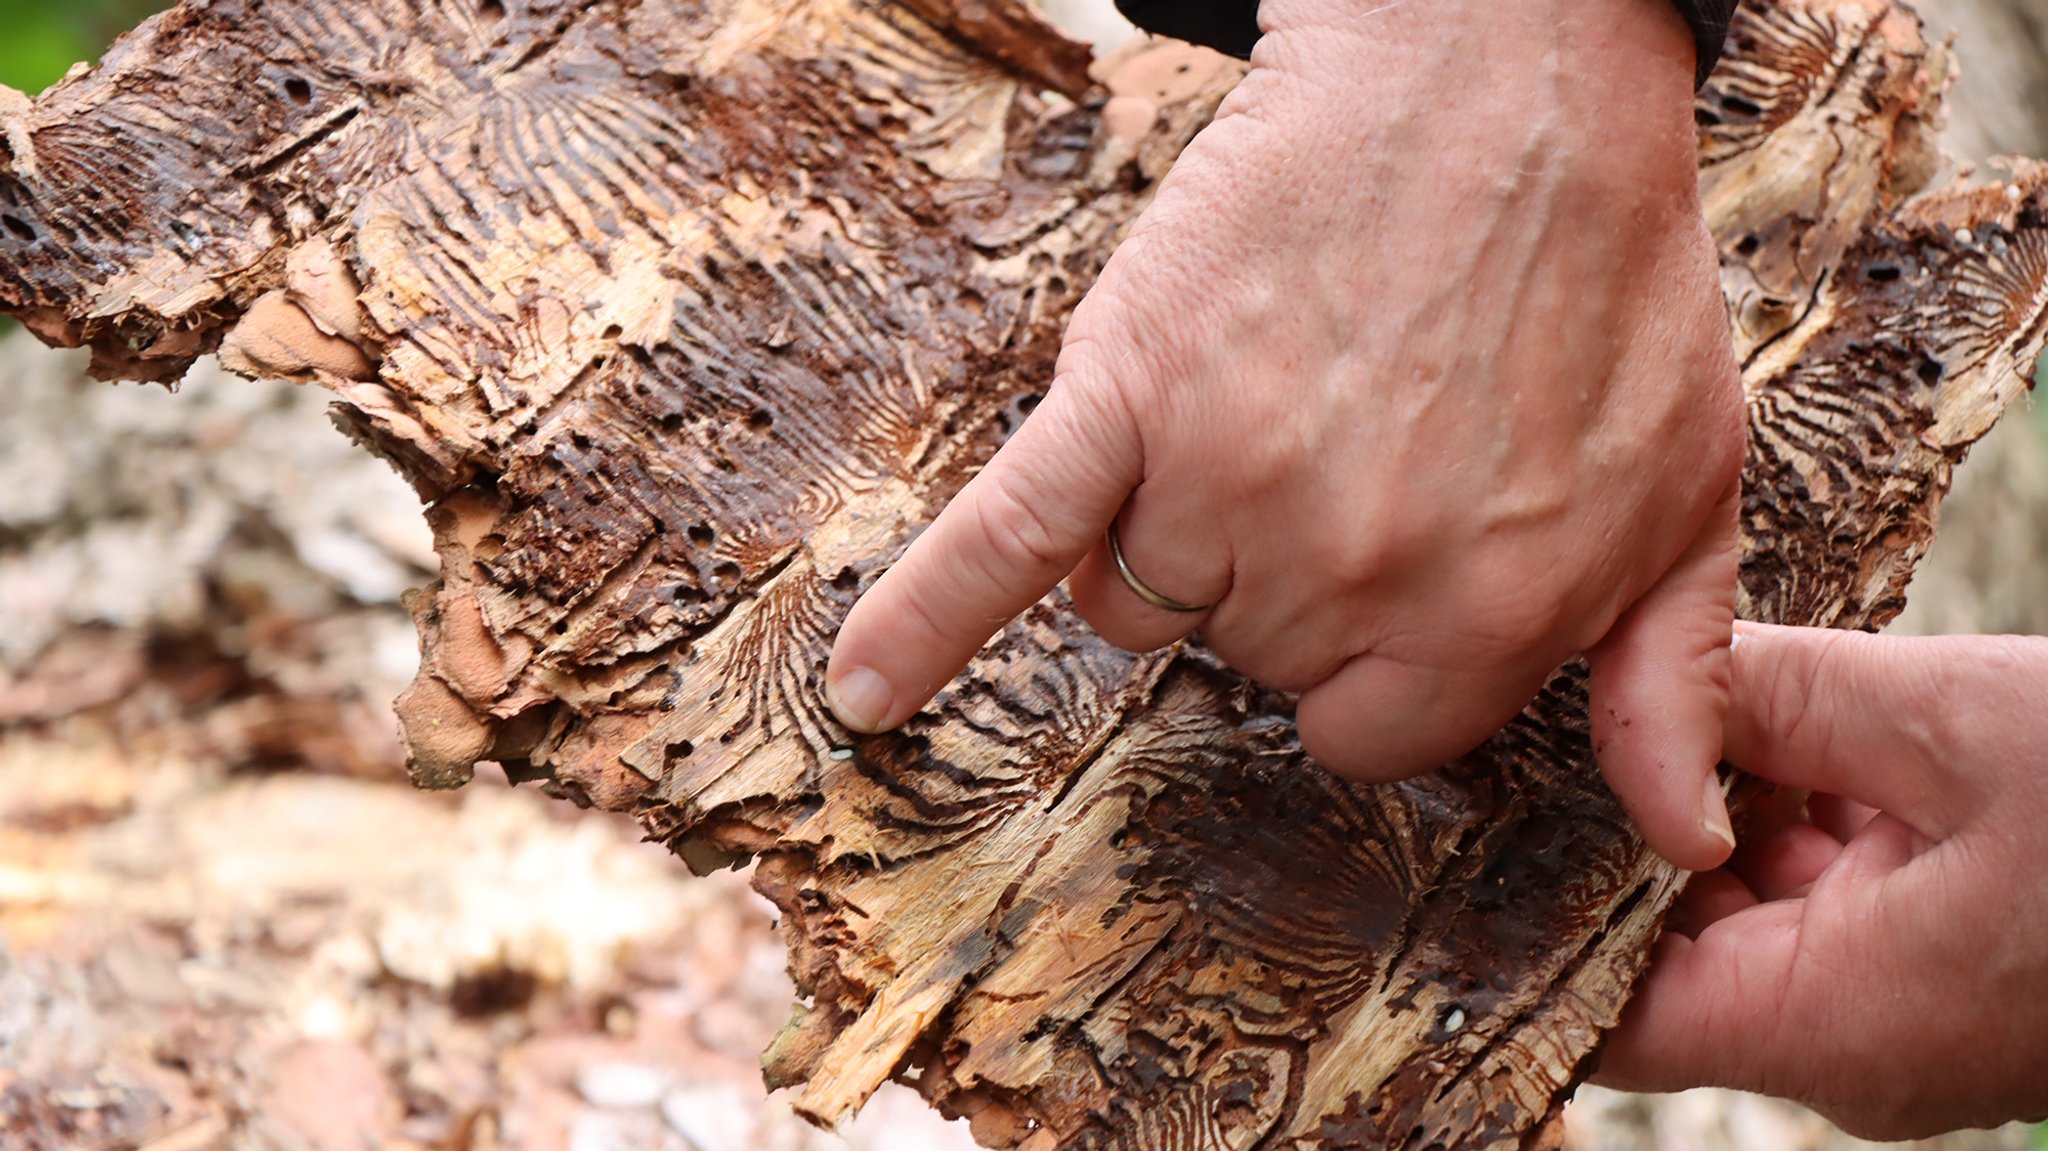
(1884,960)
(1417,370)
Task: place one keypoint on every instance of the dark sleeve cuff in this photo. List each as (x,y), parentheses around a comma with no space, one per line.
(1230,26)
(1233,25)
(1709,20)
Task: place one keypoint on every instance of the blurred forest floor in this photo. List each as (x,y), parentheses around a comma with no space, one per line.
(225,920)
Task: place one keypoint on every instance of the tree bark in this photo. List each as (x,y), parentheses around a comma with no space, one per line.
(1989,573)
(685,316)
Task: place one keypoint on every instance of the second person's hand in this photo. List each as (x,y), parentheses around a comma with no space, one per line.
(1880,958)
(1416,380)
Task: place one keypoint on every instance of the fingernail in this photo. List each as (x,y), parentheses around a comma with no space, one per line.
(1714,816)
(860,699)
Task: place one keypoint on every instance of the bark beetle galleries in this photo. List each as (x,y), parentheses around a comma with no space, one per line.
(685,314)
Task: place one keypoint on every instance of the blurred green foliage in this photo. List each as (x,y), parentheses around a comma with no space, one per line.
(41,39)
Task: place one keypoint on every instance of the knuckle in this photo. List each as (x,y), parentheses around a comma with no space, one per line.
(1097,413)
(1356,560)
(1099,358)
(1531,624)
(1516,618)
(1120,629)
(1326,741)
(1293,676)
(1804,712)
(917,621)
(1789,712)
(1293,669)
(1017,538)
(1129,357)
(1711,476)
(1088,351)
(1117,634)
(1930,733)
(918,627)
(1729,451)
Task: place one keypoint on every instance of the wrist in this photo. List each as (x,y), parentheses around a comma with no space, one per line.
(1647,42)
(1608,81)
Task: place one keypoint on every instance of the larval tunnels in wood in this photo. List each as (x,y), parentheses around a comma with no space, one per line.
(684,315)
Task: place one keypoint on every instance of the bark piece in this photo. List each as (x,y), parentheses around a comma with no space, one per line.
(685,316)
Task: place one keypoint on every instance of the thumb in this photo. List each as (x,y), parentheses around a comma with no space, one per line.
(1781,996)
(1006,540)
(1659,691)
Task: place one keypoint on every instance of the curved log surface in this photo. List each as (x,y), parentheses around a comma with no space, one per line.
(684,315)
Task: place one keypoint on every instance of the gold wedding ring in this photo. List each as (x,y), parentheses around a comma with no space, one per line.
(1140,587)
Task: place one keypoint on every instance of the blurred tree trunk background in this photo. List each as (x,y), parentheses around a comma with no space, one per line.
(2001,106)
(1988,571)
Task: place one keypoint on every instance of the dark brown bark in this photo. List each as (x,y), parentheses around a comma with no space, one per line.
(685,316)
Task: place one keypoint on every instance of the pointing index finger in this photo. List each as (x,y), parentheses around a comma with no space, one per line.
(1010,536)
